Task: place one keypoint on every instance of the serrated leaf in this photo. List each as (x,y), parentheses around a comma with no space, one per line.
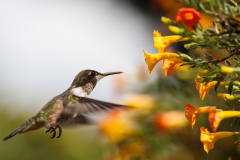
(228,63)
(235,59)
(230,88)
(232,120)
(208,57)
(217,85)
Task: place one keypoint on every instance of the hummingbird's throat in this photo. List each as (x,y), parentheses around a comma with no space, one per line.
(83,91)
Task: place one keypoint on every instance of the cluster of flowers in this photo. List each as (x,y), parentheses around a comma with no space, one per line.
(190,18)
(119,125)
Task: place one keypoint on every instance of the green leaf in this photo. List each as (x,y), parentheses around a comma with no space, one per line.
(198,60)
(208,57)
(233,4)
(228,63)
(223,108)
(229,104)
(232,121)
(217,85)
(230,88)
(210,32)
(237,142)
(201,6)
(192,66)
(235,59)
(188,63)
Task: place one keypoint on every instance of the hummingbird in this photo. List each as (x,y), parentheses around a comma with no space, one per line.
(69,107)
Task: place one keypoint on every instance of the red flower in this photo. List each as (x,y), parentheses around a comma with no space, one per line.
(188,16)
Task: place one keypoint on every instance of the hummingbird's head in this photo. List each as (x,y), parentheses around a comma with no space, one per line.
(86,80)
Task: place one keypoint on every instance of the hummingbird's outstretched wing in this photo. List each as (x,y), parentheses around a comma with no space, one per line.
(85,106)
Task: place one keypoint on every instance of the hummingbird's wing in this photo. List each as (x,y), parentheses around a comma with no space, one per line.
(86,106)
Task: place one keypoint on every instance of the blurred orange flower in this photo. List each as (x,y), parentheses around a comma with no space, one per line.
(132,149)
(192,113)
(168,64)
(208,139)
(204,89)
(170,120)
(116,125)
(141,103)
(189,16)
(216,117)
(152,59)
(162,43)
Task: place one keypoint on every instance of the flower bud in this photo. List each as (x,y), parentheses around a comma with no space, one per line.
(167,21)
(226,69)
(185,57)
(176,30)
(190,45)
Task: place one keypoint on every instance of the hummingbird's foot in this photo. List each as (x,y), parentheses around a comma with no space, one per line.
(54,131)
(49,129)
(60,131)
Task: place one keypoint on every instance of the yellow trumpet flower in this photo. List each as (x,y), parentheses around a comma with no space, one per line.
(168,64)
(192,113)
(208,139)
(216,117)
(153,59)
(204,89)
(162,43)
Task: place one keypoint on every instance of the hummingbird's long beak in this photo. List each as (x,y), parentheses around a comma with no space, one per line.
(110,73)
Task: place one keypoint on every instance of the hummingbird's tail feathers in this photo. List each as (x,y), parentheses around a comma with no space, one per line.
(29,125)
(17,131)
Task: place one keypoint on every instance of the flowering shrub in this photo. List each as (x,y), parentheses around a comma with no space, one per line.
(212,73)
(148,126)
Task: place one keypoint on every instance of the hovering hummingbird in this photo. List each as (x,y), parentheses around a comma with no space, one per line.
(69,106)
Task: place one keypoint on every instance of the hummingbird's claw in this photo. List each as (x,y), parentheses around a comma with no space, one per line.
(60,131)
(49,129)
(54,131)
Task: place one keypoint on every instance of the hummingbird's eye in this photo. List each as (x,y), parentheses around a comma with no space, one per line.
(92,73)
